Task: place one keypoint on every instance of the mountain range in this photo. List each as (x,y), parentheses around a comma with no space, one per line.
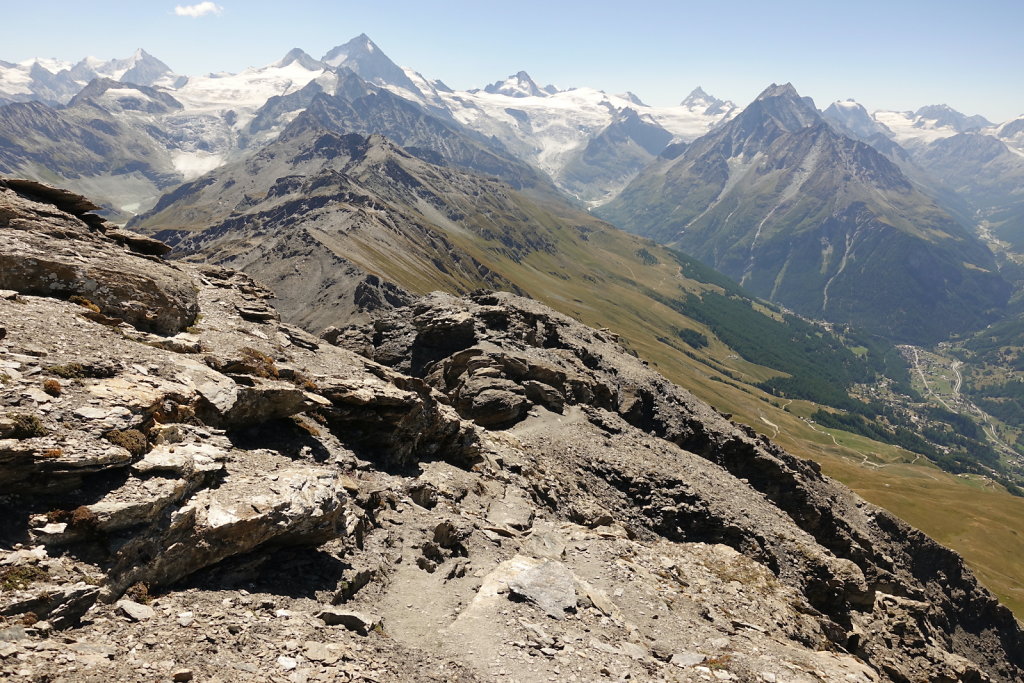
(818,221)
(815,241)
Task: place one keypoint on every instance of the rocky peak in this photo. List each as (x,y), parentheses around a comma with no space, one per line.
(783,104)
(143,68)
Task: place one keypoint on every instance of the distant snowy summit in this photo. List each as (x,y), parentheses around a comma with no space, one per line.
(56,81)
(519,85)
(918,129)
(699,100)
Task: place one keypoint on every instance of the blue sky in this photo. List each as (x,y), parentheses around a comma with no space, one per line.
(899,54)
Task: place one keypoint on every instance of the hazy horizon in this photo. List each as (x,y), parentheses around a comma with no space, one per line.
(885,57)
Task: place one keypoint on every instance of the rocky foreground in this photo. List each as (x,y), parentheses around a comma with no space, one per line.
(463,489)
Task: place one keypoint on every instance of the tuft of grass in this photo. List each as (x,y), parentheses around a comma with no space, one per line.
(139,592)
(53,387)
(27,426)
(84,303)
(718,663)
(70,371)
(20,578)
(81,518)
(132,440)
(252,362)
(264,364)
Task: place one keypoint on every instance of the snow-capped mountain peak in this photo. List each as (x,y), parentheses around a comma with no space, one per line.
(298,55)
(929,123)
(369,62)
(632,98)
(851,117)
(939,115)
(355,49)
(700,101)
(517,85)
(56,81)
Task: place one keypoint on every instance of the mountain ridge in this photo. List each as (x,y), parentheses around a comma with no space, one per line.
(790,176)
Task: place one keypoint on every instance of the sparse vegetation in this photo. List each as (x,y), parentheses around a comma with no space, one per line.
(252,362)
(83,370)
(646,257)
(194,327)
(139,592)
(21,577)
(70,371)
(718,663)
(132,440)
(81,518)
(27,426)
(84,303)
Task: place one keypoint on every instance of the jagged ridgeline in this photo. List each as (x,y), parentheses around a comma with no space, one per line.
(452,487)
(818,221)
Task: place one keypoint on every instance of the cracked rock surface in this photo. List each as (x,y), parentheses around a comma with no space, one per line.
(487,490)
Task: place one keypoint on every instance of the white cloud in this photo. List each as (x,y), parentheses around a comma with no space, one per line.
(198,10)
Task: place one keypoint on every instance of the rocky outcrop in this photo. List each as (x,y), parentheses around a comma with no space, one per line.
(491,489)
(52,252)
(846,557)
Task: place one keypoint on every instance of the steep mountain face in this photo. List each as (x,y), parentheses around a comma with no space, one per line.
(117,97)
(359,107)
(362,56)
(93,148)
(849,118)
(817,221)
(56,82)
(613,157)
(1012,133)
(476,460)
(987,173)
(553,129)
(314,214)
(853,120)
